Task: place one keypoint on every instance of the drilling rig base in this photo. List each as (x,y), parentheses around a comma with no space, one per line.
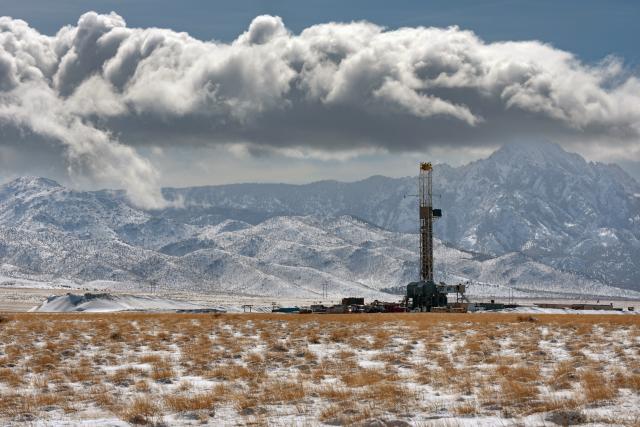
(424,296)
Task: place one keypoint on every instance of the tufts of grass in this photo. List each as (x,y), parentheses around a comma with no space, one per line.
(283,391)
(465,409)
(162,371)
(366,377)
(517,394)
(563,376)
(596,388)
(191,402)
(140,410)
(497,362)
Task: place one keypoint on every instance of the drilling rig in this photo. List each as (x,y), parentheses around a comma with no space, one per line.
(427,217)
(426,294)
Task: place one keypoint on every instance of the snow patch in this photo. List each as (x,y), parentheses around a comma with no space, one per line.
(99,303)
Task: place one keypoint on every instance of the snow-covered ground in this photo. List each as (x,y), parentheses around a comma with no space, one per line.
(104,298)
(227,370)
(533,309)
(106,303)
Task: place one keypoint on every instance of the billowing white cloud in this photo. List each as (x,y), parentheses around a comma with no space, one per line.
(101,91)
(39,71)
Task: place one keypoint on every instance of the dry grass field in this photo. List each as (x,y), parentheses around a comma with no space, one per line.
(264,369)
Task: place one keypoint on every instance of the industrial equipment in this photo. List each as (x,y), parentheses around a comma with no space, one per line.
(426,294)
(353,301)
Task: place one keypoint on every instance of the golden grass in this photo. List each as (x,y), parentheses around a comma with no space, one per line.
(257,363)
(366,377)
(596,387)
(563,375)
(517,398)
(140,410)
(346,413)
(335,393)
(523,373)
(162,370)
(283,392)
(627,379)
(193,402)
(11,377)
(465,409)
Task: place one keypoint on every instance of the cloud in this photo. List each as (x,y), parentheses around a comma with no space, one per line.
(36,74)
(103,91)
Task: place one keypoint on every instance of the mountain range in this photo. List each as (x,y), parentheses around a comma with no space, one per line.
(530,219)
(535,199)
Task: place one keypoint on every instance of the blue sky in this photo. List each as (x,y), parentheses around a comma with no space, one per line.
(592,29)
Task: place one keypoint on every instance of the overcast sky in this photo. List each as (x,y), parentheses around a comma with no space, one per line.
(200,92)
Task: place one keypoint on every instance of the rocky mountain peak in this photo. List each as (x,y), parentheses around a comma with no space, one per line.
(30,183)
(534,156)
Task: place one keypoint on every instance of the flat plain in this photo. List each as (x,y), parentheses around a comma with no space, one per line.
(269,369)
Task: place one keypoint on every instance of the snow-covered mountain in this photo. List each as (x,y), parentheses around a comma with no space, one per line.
(552,206)
(535,199)
(530,218)
(281,256)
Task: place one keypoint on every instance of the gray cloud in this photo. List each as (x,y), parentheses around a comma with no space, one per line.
(102,91)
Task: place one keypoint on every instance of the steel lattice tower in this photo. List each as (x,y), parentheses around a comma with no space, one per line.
(426,222)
